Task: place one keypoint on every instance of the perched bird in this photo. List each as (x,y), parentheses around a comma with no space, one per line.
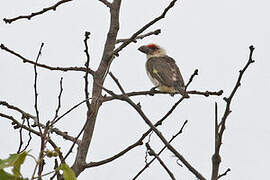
(162,70)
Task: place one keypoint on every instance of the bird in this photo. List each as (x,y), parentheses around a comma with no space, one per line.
(162,70)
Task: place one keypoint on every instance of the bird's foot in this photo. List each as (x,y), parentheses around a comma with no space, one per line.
(186,95)
(152,91)
(183,93)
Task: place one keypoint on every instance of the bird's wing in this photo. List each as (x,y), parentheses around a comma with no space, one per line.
(164,70)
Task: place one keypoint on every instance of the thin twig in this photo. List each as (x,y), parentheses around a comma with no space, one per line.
(191,78)
(86,91)
(224,174)
(151,152)
(73,144)
(43,136)
(222,124)
(55,130)
(59,100)
(105,2)
(117,83)
(29,134)
(68,111)
(21,139)
(24,114)
(150,162)
(35,86)
(148,141)
(18,124)
(36,13)
(64,69)
(156,32)
(133,37)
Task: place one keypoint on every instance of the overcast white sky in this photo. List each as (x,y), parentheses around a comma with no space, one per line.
(210,35)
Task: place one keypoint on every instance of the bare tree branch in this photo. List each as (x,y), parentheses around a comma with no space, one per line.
(191,78)
(105,2)
(158,133)
(150,162)
(55,130)
(153,92)
(86,91)
(151,152)
(100,75)
(117,83)
(24,114)
(73,144)
(21,138)
(140,93)
(137,143)
(35,87)
(224,174)
(29,134)
(59,100)
(17,125)
(53,7)
(25,60)
(68,111)
(156,32)
(216,159)
(140,140)
(86,96)
(133,37)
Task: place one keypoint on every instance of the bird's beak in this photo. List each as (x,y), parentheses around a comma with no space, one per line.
(144,49)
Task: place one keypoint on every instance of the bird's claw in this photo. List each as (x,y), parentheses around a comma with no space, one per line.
(152,91)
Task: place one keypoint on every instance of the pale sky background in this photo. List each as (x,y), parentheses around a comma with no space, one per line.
(211,35)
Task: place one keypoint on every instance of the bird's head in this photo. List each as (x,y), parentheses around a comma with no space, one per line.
(152,50)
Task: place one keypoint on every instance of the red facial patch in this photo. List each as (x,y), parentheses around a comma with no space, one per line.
(152,46)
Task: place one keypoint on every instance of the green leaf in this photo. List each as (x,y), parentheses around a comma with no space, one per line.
(6,176)
(9,161)
(68,173)
(17,164)
(15,161)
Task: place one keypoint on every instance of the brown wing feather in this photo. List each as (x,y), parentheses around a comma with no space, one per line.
(165,71)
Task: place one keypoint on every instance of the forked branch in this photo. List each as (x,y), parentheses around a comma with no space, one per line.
(220,127)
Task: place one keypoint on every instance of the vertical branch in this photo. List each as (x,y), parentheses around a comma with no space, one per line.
(35,86)
(42,145)
(21,138)
(99,77)
(216,159)
(220,128)
(59,101)
(87,66)
(29,135)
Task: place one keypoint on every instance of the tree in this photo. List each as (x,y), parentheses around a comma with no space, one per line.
(95,95)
